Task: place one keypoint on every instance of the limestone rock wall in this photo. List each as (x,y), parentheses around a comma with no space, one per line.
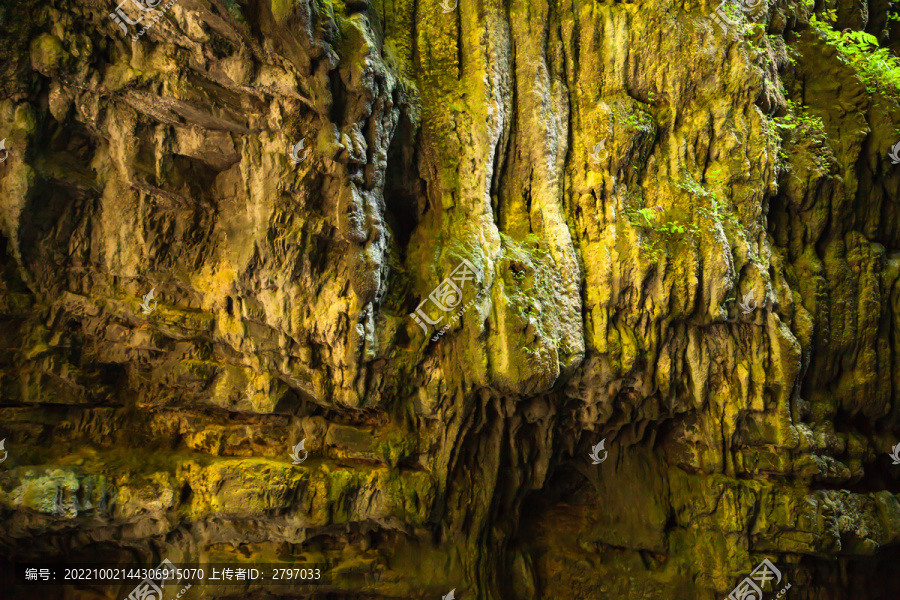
(625,179)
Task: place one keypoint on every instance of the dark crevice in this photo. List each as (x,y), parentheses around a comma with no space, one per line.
(186,494)
(339,98)
(402,185)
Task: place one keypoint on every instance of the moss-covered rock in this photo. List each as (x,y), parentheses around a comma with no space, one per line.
(683,242)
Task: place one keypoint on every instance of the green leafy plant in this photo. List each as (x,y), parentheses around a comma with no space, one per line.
(756,28)
(800,119)
(636,120)
(877,68)
(753,33)
(660,234)
(537,252)
(647,214)
(709,205)
(686,183)
(732,11)
(796,126)
(773,137)
(527,311)
(672,228)
(533,354)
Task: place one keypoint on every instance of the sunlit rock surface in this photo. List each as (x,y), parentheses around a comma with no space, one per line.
(684,243)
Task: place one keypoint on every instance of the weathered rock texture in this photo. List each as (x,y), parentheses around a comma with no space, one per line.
(610,283)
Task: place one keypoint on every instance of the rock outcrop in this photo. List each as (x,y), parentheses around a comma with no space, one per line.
(452,248)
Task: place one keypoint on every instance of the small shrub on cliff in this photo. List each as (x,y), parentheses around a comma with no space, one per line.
(798,118)
(800,127)
(659,233)
(637,119)
(713,208)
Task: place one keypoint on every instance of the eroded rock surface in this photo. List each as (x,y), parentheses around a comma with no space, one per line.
(683,243)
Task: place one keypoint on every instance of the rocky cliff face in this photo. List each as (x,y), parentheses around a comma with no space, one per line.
(512,230)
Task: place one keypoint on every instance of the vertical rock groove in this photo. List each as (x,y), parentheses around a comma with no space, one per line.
(676,239)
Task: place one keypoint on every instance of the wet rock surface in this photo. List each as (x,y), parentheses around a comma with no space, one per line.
(511,230)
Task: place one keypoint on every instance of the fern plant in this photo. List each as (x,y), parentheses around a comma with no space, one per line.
(877,68)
